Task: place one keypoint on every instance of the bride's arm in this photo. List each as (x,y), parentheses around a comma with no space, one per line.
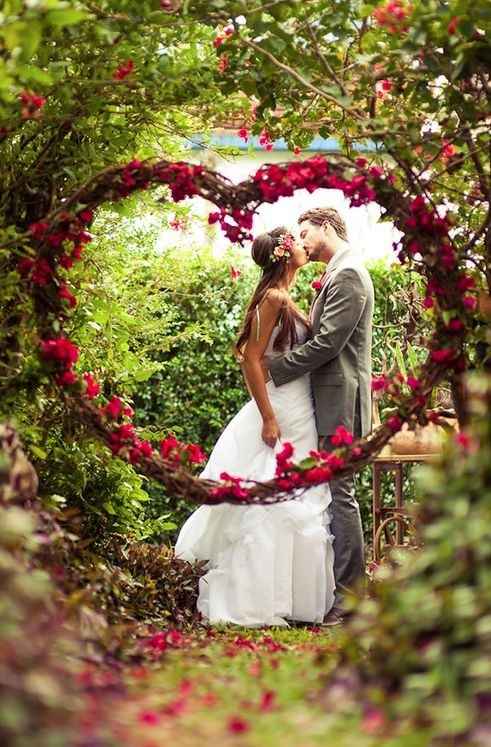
(251,362)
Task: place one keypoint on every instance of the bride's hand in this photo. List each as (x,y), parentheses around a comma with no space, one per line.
(270,432)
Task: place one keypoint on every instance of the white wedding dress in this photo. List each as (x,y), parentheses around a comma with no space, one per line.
(266,564)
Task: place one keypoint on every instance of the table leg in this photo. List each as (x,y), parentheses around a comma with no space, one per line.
(399,502)
(376,501)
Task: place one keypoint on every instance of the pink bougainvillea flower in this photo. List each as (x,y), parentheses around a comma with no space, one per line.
(453,24)
(383,88)
(124,69)
(342,437)
(268,701)
(413,383)
(379,383)
(265,140)
(394,423)
(195,454)
(238,725)
(243,133)
(92,387)
(469,302)
(223,63)
(67,378)
(373,720)
(149,718)
(65,294)
(60,349)
(113,408)
(32,104)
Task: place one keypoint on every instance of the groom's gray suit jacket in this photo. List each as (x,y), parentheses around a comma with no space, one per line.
(339,354)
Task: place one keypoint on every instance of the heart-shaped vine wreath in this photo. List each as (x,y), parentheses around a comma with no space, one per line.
(53,244)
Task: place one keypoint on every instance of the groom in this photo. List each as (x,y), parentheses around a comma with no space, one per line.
(338,357)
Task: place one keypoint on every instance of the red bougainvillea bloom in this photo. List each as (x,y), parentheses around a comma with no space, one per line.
(317,475)
(341,437)
(373,720)
(297,150)
(92,387)
(235,274)
(61,350)
(243,133)
(316,285)
(455,325)
(38,230)
(86,216)
(448,150)
(379,383)
(394,423)
(443,355)
(383,88)
(169,449)
(238,725)
(393,16)
(113,408)
(195,454)
(268,701)
(265,140)
(67,378)
(413,383)
(469,302)
(149,718)
(452,26)
(232,487)
(125,69)
(32,104)
(65,294)
(223,63)
(466,282)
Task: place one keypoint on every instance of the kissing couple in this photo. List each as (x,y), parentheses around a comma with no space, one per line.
(292,561)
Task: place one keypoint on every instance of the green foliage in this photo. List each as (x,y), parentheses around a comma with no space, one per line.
(38,697)
(421,643)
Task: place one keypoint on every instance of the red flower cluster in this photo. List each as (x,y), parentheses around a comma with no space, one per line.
(393,16)
(265,140)
(275,181)
(341,437)
(164,639)
(63,353)
(175,451)
(243,133)
(223,63)
(92,387)
(236,231)
(32,104)
(181,178)
(125,69)
(232,487)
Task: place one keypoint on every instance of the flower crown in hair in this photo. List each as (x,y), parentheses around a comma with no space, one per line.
(284,249)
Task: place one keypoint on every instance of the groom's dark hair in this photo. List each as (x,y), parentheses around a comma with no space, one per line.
(319,216)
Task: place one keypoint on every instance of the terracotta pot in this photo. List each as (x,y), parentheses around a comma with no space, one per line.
(426,439)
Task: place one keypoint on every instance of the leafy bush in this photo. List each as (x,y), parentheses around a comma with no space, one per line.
(419,650)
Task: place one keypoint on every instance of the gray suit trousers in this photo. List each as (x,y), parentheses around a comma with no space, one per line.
(349,561)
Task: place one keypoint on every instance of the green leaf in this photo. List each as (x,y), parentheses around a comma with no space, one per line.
(66,17)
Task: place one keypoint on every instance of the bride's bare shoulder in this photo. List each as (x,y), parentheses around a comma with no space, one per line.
(276,297)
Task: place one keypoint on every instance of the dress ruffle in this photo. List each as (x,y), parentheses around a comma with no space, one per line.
(267,564)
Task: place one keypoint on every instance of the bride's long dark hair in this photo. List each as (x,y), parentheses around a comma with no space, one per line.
(273,272)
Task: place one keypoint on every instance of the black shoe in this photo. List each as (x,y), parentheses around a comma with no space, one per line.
(335,616)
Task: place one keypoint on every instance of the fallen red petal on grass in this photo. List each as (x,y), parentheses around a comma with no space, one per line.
(238,725)
(268,701)
(150,718)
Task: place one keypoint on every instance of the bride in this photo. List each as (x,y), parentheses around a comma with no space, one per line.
(266,564)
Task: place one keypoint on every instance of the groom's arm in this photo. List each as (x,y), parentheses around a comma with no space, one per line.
(344,303)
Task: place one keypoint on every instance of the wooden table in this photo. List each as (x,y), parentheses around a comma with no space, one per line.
(398,514)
